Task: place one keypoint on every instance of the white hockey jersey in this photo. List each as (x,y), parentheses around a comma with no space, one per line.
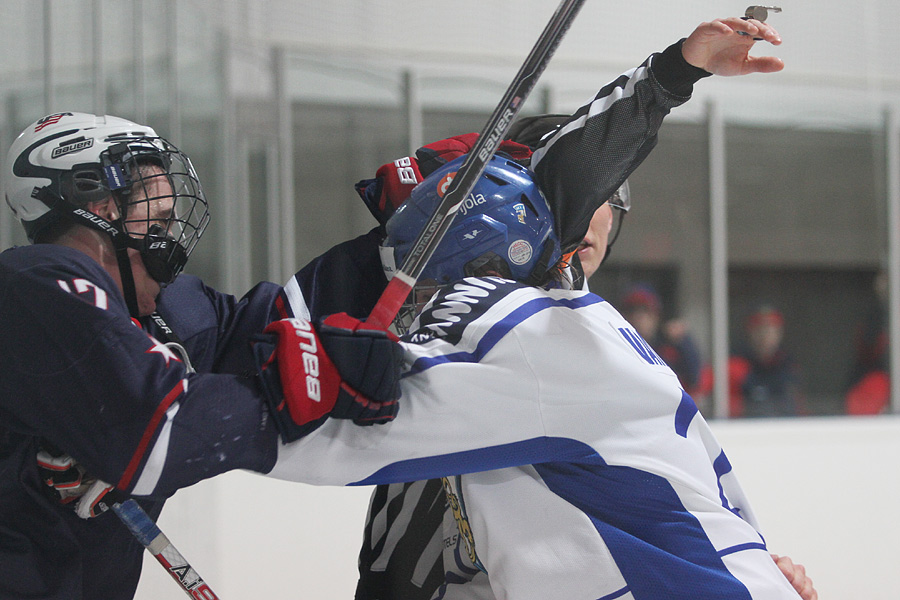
(625,493)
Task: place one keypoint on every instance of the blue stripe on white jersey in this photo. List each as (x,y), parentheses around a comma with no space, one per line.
(500,456)
(497,331)
(648,530)
(685,414)
(616,455)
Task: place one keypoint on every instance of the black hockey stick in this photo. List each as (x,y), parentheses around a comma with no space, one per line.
(464,181)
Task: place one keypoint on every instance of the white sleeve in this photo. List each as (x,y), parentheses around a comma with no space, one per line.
(539,376)
(468,410)
(479,588)
(453,418)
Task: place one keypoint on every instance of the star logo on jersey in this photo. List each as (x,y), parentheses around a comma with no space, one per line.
(162,350)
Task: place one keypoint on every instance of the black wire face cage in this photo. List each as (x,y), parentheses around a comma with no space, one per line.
(161,200)
(421,293)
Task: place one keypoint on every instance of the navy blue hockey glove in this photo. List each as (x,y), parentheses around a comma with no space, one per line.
(339,369)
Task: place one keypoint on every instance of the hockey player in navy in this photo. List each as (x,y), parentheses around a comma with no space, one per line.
(109,378)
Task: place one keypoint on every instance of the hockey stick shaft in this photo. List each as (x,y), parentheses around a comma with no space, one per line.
(464,181)
(150,536)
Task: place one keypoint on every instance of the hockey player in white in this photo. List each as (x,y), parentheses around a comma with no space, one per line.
(406,552)
(628,494)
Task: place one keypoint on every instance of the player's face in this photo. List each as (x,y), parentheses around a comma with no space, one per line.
(593,248)
(421,293)
(152,203)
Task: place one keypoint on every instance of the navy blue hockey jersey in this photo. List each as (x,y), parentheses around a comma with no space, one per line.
(78,373)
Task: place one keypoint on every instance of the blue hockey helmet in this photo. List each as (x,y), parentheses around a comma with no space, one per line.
(503,227)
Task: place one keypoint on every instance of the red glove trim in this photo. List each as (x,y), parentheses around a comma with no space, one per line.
(454,147)
(309,379)
(398,178)
(345,321)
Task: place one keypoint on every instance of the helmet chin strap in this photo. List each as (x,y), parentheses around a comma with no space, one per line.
(120,242)
(114,229)
(538,274)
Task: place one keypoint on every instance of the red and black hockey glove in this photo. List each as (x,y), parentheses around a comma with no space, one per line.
(339,369)
(394,181)
(67,478)
(433,156)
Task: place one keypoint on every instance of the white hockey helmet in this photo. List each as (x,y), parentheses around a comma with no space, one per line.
(64,161)
(46,154)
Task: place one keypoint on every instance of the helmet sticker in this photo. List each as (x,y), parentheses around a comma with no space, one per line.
(50,120)
(520,212)
(115,177)
(444,184)
(520,252)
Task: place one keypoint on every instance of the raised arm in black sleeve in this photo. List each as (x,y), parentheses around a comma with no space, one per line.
(590,155)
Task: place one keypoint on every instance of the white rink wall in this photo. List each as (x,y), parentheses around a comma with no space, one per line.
(825,490)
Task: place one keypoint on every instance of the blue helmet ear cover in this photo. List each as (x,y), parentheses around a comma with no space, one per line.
(504,226)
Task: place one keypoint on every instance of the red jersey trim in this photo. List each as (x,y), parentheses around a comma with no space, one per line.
(152,426)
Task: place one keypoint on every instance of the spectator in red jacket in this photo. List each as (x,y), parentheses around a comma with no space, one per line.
(869,389)
(763,378)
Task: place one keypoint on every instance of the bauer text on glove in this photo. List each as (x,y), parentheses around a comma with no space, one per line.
(339,368)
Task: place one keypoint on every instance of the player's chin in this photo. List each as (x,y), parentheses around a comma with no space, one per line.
(590,259)
(147,309)
(147,298)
